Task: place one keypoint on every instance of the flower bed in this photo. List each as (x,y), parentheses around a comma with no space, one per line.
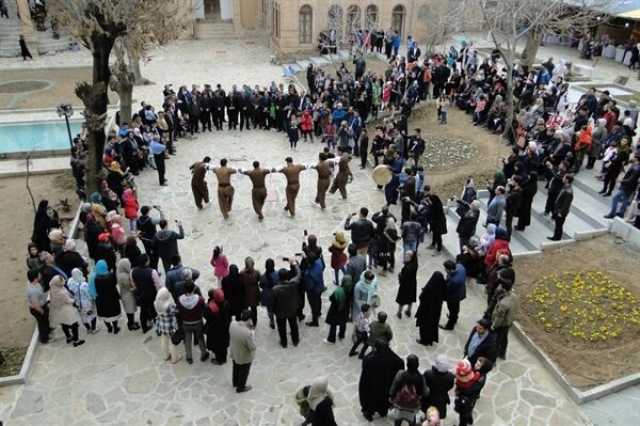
(580,307)
(587,306)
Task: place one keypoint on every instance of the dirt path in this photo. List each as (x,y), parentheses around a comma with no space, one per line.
(17,213)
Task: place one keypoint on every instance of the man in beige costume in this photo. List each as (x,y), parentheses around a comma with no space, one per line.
(324,169)
(259,191)
(225,190)
(292,173)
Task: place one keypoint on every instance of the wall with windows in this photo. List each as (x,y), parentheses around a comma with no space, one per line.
(295,25)
(301,21)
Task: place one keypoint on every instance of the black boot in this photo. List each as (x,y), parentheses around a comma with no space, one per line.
(116,328)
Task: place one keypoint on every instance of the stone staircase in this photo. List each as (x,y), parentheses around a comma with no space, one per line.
(10,33)
(216,30)
(586,219)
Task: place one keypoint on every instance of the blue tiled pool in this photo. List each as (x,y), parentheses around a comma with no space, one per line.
(36,136)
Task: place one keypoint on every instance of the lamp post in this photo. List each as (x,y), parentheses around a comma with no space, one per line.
(66,111)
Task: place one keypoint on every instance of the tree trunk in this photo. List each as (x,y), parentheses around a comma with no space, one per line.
(508,127)
(528,57)
(96,100)
(125,94)
(134,66)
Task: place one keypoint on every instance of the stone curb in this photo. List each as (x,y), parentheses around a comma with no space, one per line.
(21,377)
(578,396)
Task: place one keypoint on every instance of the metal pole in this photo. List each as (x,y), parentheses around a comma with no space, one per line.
(66,118)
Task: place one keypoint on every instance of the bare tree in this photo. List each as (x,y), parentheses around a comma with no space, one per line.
(509,21)
(98,24)
(437,19)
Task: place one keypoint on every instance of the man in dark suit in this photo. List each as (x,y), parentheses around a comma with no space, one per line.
(561,207)
(481,343)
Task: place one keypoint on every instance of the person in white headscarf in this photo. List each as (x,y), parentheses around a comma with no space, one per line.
(85,304)
(316,403)
(62,310)
(166,324)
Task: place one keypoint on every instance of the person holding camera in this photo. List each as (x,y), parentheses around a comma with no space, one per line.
(362,230)
(165,243)
(285,302)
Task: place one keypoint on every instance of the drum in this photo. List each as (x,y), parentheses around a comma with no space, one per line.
(382,175)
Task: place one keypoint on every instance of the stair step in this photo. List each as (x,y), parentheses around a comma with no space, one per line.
(531,238)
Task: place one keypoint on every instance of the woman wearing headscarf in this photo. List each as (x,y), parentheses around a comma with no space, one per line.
(337,314)
(316,403)
(131,249)
(104,251)
(44,221)
(430,308)
(249,278)
(166,324)
(62,310)
(407,392)
(34,263)
(232,288)
(268,280)
(218,317)
(437,221)
(102,286)
(440,381)
(408,283)
(115,176)
(365,292)
(86,304)
(91,233)
(126,289)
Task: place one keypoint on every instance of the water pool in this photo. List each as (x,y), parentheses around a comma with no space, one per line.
(36,136)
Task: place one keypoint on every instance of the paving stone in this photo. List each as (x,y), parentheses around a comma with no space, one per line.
(536,399)
(512,369)
(94,403)
(30,402)
(141,383)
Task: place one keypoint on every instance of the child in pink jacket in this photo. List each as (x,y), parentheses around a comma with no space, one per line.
(220,264)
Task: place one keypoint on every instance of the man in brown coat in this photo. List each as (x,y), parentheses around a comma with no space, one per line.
(344,175)
(292,173)
(259,191)
(198,182)
(324,168)
(225,190)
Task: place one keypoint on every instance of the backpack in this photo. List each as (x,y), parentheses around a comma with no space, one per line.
(407,398)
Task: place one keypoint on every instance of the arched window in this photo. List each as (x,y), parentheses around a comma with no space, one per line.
(354,20)
(335,21)
(371,18)
(397,19)
(305,24)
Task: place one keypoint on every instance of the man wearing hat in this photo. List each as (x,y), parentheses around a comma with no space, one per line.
(481,342)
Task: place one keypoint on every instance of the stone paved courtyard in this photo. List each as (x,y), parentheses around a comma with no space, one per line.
(123,380)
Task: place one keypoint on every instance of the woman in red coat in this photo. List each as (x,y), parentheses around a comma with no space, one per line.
(306,125)
(499,247)
(131,207)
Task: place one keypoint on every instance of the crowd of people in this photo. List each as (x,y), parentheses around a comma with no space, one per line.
(127,242)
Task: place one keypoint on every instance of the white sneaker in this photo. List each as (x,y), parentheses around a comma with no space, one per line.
(328,342)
